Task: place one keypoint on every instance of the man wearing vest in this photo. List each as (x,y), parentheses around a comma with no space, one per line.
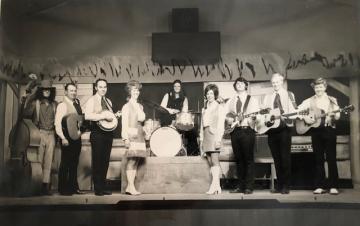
(323,138)
(42,111)
(243,135)
(279,139)
(70,149)
(101,141)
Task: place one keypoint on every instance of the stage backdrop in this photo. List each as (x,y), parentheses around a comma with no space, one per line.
(120,69)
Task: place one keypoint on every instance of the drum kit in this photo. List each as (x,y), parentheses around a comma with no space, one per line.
(167,141)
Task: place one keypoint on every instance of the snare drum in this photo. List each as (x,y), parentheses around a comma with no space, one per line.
(184,121)
(165,142)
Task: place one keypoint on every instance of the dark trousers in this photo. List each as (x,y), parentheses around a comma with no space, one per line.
(68,167)
(192,146)
(101,144)
(279,141)
(324,143)
(242,141)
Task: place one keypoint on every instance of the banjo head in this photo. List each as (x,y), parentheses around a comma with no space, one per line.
(109,125)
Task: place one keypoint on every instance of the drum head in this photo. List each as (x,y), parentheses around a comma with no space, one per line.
(165,142)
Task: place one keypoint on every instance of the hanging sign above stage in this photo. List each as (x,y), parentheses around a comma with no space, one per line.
(119,69)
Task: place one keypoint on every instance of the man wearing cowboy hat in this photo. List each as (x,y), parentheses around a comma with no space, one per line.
(41,109)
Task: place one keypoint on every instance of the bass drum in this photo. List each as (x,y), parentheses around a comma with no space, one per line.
(165,142)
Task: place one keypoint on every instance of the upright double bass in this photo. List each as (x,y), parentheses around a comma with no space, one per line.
(24,142)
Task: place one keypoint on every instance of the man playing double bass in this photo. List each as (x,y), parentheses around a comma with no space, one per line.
(70,146)
(41,109)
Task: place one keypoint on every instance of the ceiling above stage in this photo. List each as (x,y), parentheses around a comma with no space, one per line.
(62,28)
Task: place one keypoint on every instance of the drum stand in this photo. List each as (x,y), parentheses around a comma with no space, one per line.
(183,151)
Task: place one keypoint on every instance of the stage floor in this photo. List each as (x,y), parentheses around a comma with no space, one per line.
(347,196)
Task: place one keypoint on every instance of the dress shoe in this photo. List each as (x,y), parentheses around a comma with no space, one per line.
(334,191)
(285,191)
(99,193)
(237,190)
(107,192)
(274,190)
(248,191)
(78,192)
(66,193)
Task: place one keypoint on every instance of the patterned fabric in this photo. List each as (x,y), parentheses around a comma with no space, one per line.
(133,130)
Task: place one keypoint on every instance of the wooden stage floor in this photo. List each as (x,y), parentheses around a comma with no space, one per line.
(347,196)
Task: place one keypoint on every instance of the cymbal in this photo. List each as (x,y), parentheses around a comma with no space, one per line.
(156,106)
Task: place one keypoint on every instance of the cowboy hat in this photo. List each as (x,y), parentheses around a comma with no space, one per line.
(46,84)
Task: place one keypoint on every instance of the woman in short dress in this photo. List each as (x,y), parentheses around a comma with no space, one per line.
(211,133)
(133,134)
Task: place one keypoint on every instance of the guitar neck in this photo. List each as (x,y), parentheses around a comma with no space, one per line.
(290,114)
(326,114)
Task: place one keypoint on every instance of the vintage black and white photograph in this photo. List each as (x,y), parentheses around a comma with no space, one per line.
(179,112)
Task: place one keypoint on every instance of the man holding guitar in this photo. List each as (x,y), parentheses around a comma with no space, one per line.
(323,137)
(279,138)
(242,134)
(97,109)
(70,145)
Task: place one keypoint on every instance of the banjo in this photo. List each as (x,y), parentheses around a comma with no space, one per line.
(110,124)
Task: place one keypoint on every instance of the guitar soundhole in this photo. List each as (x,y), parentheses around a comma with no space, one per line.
(269,123)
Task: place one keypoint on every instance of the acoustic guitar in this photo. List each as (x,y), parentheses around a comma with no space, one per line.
(302,125)
(273,119)
(237,118)
(109,125)
(72,126)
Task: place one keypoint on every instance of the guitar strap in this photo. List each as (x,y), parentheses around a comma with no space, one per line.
(292,99)
(246,103)
(108,104)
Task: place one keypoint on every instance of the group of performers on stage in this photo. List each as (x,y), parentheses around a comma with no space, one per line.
(241,117)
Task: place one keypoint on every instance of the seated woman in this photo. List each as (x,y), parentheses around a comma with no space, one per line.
(211,133)
(175,101)
(133,134)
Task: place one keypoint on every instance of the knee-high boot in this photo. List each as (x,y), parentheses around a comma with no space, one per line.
(215,183)
(130,189)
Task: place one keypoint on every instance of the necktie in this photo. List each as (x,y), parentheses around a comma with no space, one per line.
(77,107)
(238,105)
(103,104)
(277,103)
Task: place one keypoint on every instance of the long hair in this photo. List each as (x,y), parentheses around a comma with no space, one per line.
(182,94)
(39,94)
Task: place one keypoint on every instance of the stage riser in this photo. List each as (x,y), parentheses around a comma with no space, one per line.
(171,175)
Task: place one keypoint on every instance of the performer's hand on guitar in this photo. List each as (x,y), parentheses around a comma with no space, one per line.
(64,142)
(239,117)
(118,114)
